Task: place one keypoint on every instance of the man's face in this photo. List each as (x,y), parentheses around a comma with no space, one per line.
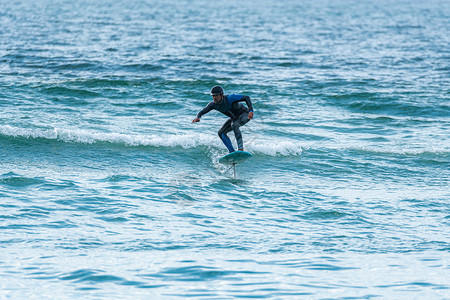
(217,98)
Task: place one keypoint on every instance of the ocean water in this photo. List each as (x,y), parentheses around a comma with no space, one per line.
(108,191)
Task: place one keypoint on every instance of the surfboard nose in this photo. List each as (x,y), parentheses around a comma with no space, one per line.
(235,157)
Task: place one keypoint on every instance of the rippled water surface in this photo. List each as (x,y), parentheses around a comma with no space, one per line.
(107,191)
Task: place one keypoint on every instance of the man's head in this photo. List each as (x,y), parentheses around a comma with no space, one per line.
(217,93)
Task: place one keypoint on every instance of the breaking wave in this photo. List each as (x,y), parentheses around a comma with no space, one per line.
(185,141)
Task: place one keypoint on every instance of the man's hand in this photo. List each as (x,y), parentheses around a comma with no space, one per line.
(250,115)
(196,120)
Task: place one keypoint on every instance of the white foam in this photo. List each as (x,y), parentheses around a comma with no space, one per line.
(391,148)
(8,130)
(91,137)
(275,148)
(185,140)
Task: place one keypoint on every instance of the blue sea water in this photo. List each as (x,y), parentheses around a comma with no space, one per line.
(108,191)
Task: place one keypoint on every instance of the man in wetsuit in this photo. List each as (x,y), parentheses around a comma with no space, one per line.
(238,115)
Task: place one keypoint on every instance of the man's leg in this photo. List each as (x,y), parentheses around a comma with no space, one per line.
(240,121)
(224,137)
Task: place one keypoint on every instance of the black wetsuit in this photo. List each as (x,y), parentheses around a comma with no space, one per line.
(238,114)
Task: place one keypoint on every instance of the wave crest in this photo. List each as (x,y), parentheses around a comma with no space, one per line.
(185,141)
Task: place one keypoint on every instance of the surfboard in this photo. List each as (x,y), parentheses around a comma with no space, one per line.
(235,157)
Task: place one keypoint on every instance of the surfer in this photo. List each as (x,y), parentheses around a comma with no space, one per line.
(238,115)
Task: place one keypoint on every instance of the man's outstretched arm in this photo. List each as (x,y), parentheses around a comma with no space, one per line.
(205,110)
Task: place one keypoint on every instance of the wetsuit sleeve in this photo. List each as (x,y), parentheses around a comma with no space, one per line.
(205,110)
(240,98)
(248,102)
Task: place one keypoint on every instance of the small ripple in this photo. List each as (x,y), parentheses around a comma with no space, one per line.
(60,225)
(146,245)
(415,283)
(200,273)
(59,185)
(114,219)
(71,92)
(96,277)
(18,181)
(192,216)
(324,215)
(118,178)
